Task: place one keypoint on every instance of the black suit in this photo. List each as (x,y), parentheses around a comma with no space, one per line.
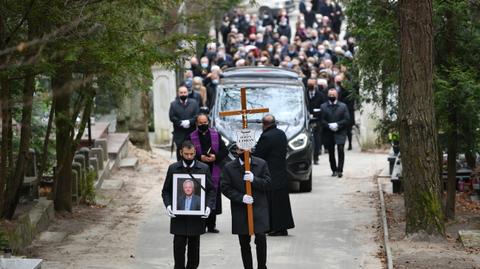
(313,105)
(187,229)
(335,113)
(233,187)
(272,147)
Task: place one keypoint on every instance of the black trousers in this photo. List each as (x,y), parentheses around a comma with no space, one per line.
(261,243)
(211,221)
(331,157)
(349,136)
(193,251)
(317,143)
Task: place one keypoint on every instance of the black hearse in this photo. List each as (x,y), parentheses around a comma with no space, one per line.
(283,92)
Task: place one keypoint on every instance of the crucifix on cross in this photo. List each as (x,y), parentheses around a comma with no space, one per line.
(245,112)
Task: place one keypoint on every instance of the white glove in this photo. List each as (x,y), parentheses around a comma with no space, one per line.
(170,212)
(207,213)
(185,124)
(333,126)
(247,199)
(248,176)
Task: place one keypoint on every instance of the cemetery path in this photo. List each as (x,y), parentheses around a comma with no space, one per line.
(336,224)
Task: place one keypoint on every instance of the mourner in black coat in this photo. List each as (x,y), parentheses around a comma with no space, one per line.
(187,229)
(335,121)
(315,98)
(233,187)
(272,147)
(183,111)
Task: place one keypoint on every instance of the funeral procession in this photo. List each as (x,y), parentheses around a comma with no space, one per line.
(239,134)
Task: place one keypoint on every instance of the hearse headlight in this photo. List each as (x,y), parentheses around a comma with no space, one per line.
(299,142)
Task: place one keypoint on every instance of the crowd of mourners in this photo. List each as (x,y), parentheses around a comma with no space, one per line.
(312,48)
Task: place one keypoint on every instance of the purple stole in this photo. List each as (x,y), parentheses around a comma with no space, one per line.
(214,138)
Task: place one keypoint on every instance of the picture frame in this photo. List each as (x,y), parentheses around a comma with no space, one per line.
(183,187)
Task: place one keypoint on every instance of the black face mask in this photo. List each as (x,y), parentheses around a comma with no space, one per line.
(332,99)
(311,88)
(188,162)
(203,127)
(183,97)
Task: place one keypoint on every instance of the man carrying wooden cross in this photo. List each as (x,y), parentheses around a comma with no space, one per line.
(245,181)
(233,181)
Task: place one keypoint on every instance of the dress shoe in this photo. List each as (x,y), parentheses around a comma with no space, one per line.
(315,162)
(349,147)
(340,174)
(213,231)
(279,233)
(334,174)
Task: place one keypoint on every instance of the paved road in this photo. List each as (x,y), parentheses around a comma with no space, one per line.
(334,226)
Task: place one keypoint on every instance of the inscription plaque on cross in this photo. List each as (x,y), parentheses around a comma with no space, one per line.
(246,142)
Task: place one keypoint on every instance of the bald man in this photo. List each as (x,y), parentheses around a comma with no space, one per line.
(272,147)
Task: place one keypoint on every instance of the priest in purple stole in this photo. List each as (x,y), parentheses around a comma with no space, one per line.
(210,149)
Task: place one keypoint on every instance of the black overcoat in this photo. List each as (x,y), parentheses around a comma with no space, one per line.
(179,112)
(335,113)
(187,225)
(272,147)
(233,187)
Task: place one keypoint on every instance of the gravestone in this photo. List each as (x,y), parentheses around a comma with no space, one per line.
(94,164)
(80,158)
(102,143)
(98,153)
(30,181)
(86,153)
(76,174)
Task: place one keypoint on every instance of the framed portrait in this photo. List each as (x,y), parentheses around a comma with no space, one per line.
(188,195)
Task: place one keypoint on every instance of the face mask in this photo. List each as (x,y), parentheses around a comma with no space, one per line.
(283,24)
(309,9)
(204,65)
(265,16)
(311,88)
(270,49)
(188,162)
(183,97)
(203,127)
(215,81)
(332,98)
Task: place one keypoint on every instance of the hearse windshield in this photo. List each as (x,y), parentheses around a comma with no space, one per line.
(285,103)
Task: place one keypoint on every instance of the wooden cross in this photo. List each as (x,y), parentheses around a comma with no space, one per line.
(244,112)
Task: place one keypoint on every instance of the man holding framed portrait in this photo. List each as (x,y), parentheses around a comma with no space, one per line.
(188,195)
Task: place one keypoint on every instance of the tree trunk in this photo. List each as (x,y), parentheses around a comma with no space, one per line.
(64,128)
(6,144)
(44,156)
(15,184)
(417,120)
